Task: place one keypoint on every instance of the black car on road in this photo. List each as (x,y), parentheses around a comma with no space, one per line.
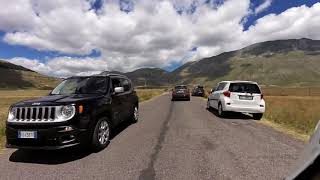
(181,92)
(79,111)
(198,91)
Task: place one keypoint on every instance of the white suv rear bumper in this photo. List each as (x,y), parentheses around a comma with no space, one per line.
(243,109)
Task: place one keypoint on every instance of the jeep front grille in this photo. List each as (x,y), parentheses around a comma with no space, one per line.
(35,114)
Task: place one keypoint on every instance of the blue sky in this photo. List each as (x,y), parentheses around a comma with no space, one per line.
(277,7)
(39,43)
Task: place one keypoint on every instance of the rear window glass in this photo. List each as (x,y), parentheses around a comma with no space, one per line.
(244,88)
(181,87)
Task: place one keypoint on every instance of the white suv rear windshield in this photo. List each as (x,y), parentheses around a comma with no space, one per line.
(244,88)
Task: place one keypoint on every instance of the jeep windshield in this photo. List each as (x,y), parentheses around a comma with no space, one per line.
(82,85)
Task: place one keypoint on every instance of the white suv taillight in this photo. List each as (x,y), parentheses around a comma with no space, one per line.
(227,93)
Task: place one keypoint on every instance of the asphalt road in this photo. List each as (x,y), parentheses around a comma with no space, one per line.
(172,140)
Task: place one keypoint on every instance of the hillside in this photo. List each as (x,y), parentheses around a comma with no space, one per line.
(149,77)
(146,76)
(283,62)
(18,77)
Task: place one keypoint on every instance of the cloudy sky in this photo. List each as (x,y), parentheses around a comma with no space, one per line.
(70,37)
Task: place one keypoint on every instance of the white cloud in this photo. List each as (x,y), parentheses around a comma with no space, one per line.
(63,66)
(152,35)
(262,7)
(297,22)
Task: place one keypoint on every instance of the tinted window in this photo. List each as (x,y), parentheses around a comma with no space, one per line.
(181,87)
(120,82)
(126,84)
(116,83)
(244,88)
(82,85)
(198,89)
(221,86)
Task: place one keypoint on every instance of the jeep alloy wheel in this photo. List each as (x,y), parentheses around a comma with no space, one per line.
(103,132)
(135,115)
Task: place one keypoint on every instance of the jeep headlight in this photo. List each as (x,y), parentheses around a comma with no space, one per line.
(11,114)
(66,112)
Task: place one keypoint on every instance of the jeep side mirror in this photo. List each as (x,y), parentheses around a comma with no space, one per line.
(118,90)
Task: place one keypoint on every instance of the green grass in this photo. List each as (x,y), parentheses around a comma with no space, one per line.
(146,94)
(291,91)
(299,113)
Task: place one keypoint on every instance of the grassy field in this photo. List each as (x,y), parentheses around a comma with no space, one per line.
(294,108)
(291,91)
(9,97)
(146,94)
(300,113)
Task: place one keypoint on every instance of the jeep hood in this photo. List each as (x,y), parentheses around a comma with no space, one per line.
(59,99)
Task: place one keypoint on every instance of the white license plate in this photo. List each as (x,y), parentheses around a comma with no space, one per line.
(27,134)
(246,97)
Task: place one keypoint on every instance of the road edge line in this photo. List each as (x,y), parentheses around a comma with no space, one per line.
(283,129)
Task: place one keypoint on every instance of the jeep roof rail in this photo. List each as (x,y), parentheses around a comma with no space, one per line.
(101,75)
(113,74)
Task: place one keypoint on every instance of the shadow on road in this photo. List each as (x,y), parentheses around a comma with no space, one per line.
(232,115)
(58,156)
(177,100)
(49,157)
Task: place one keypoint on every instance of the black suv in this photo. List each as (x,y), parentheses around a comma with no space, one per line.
(80,110)
(198,91)
(180,92)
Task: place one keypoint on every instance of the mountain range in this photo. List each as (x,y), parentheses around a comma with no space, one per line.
(293,62)
(18,77)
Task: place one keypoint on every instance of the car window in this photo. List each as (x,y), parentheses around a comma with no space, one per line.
(199,88)
(244,88)
(126,84)
(220,86)
(93,86)
(82,85)
(181,87)
(116,83)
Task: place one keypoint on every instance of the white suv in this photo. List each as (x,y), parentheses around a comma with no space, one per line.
(237,96)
